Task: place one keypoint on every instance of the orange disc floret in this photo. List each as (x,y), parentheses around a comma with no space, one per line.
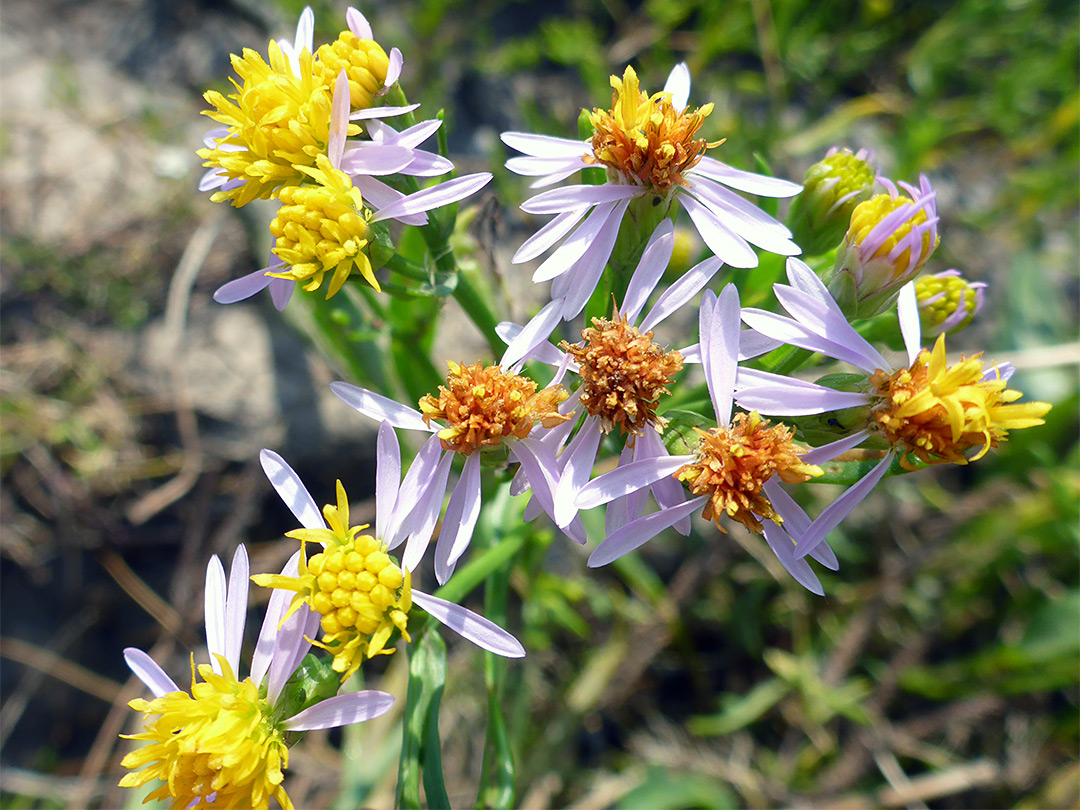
(733,463)
(939,413)
(483,406)
(624,374)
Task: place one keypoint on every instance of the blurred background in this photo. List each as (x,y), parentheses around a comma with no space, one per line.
(940,671)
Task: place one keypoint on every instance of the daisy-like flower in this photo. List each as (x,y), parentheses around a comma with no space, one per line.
(735,470)
(928,410)
(947,301)
(623,374)
(225,744)
(889,240)
(648,148)
(325,226)
(480,409)
(359,592)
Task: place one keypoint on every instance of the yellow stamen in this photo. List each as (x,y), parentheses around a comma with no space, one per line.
(364,62)
(484,406)
(733,463)
(938,413)
(645,139)
(218,747)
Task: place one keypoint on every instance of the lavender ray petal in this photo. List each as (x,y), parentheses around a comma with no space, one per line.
(590,267)
(907,311)
(678,85)
(724,200)
(719,238)
(770,236)
(213,178)
(573,249)
(291,490)
(242,288)
(358,24)
(289,647)
(381,112)
(460,520)
(720,359)
(339,120)
(754,344)
(830,324)
(275,610)
(839,509)
(569,197)
(544,166)
(681,292)
(654,260)
(578,460)
(214,611)
(535,332)
(785,396)
(548,235)
(415,488)
(341,710)
(281,290)
(638,532)
(236,599)
(798,334)
(552,179)
(443,194)
(626,479)
(379,407)
(783,548)
(827,452)
(395,62)
(544,145)
(480,631)
(146,669)
(749,182)
(541,471)
(378,159)
(387,477)
(667,491)
(425,517)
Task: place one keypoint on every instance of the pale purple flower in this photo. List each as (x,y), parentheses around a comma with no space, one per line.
(280,648)
(432,464)
(403,510)
(721,339)
(728,223)
(817,324)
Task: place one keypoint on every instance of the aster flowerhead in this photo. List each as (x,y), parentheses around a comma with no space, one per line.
(947,301)
(649,149)
(360,594)
(889,240)
(927,411)
(225,744)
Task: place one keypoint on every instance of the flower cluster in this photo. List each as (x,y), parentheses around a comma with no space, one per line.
(305,128)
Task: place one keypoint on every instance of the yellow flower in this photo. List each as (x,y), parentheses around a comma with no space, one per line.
(358,589)
(221,746)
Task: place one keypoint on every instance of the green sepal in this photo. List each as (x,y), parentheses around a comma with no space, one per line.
(313,682)
(846,473)
(827,427)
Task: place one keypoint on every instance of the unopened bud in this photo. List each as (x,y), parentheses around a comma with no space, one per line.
(831,190)
(947,301)
(888,241)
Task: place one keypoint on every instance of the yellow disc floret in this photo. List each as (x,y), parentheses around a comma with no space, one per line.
(938,413)
(277,123)
(364,62)
(218,747)
(644,139)
(483,406)
(322,228)
(733,463)
(623,374)
(361,593)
